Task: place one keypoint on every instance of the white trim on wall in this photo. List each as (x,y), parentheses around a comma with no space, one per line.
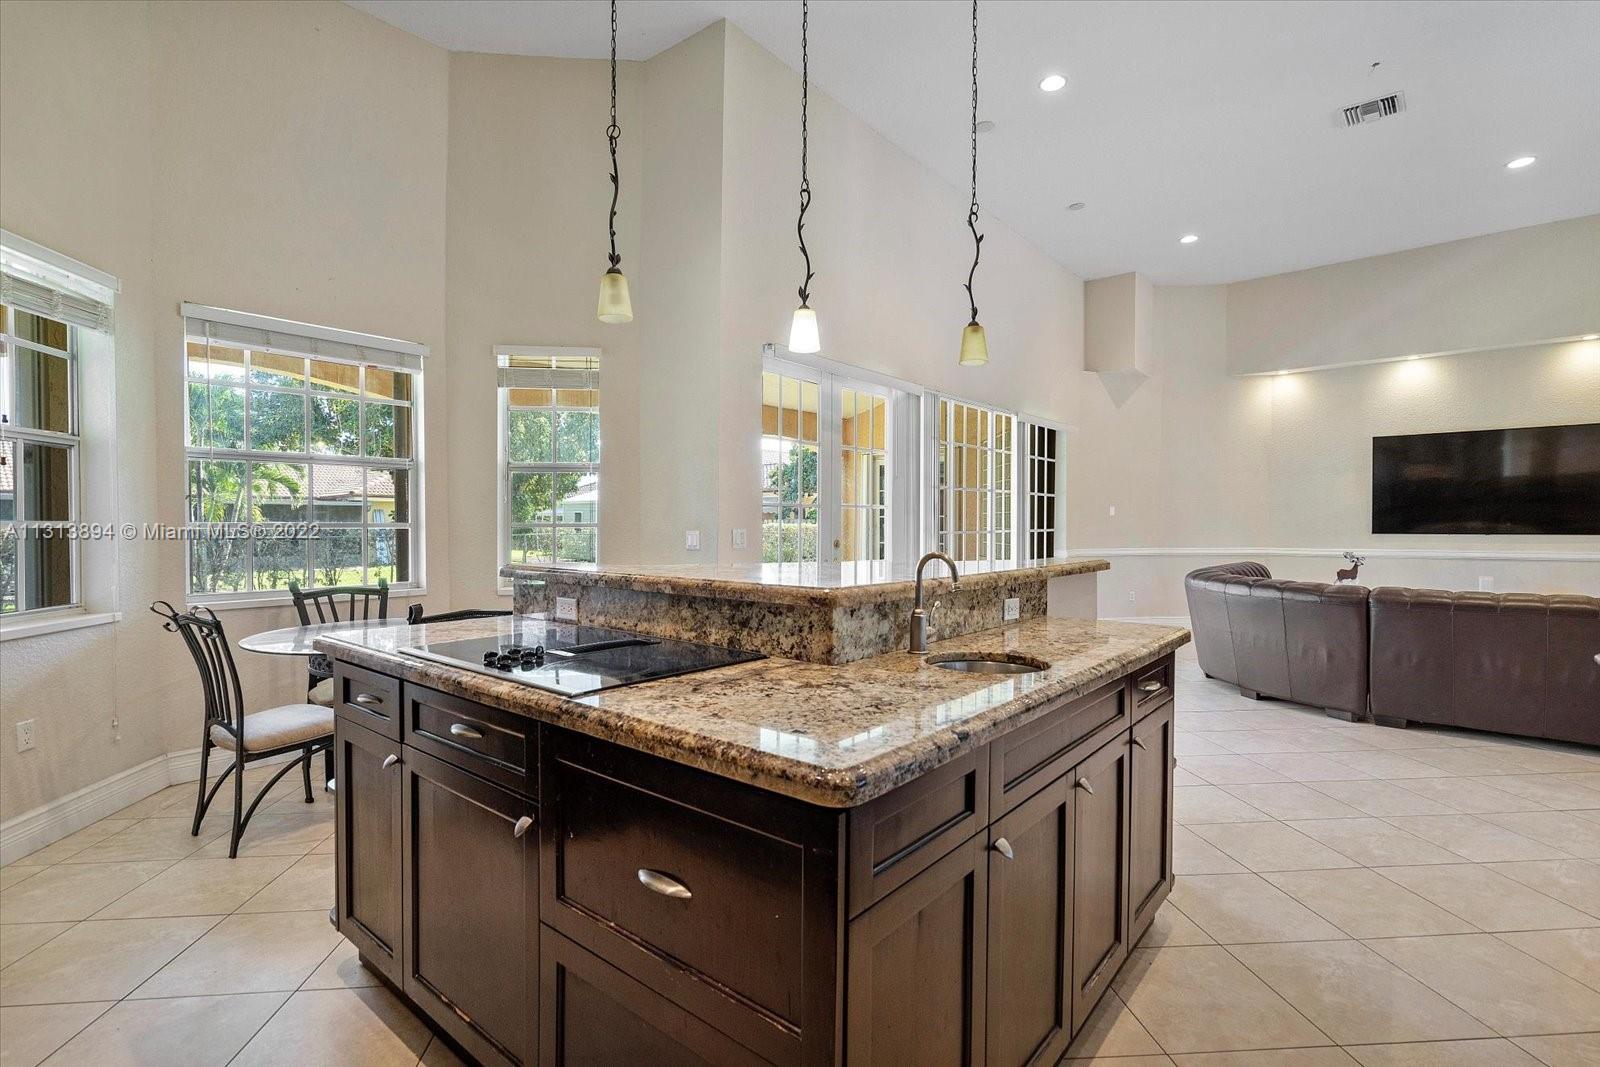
(1370,553)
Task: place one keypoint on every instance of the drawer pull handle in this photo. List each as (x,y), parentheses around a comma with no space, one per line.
(390,760)
(1083,784)
(667,886)
(1002,846)
(1152,686)
(368,700)
(461,729)
(1138,742)
(522,826)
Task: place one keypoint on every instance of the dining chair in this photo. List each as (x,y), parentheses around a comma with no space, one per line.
(358,601)
(415,616)
(258,735)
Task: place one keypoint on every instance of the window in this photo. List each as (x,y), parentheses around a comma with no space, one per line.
(302,455)
(549,454)
(974,464)
(1043,489)
(790,447)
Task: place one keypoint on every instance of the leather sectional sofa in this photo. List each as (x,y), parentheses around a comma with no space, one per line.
(1516,663)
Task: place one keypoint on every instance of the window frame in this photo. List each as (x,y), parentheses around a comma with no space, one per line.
(414,466)
(505,469)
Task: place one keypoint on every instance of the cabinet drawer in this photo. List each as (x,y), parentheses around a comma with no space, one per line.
(367,698)
(902,833)
(1152,684)
(1023,761)
(489,742)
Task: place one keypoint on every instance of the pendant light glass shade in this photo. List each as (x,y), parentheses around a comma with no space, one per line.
(803,331)
(974,346)
(615,306)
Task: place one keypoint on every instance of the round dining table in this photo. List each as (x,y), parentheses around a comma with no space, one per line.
(301,640)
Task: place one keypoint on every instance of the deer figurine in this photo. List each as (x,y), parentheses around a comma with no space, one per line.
(1348,574)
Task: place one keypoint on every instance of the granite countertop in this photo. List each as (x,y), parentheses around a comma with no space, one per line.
(836,736)
(837,583)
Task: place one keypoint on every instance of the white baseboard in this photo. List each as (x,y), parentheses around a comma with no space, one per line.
(48,823)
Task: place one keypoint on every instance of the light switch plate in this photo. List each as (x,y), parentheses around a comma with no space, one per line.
(740,538)
(1485,583)
(691,540)
(1013,609)
(24,735)
(567,608)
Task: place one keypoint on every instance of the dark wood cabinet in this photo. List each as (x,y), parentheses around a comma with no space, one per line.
(1030,929)
(1150,818)
(367,859)
(471,943)
(916,985)
(1099,873)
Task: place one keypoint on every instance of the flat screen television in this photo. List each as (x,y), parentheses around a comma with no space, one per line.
(1529,480)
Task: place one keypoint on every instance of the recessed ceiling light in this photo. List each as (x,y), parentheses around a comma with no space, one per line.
(1409,358)
(985,125)
(1188,239)
(1053,83)
(1522,161)
(1076,205)
(1591,337)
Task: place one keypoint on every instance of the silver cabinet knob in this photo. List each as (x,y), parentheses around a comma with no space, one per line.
(1083,784)
(664,884)
(1138,742)
(1002,846)
(461,729)
(367,699)
(523,825)
(390,760)
(1151,686)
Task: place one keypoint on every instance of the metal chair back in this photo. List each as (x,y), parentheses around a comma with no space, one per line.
(203,635)
(414,614)
(358,602)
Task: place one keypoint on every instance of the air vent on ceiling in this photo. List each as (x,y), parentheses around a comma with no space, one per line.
(1373,110)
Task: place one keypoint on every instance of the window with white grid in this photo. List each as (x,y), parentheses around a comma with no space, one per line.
(550,454)
(975,454)
(1043,489)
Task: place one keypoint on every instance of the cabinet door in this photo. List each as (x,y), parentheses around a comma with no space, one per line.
(1150,820)
(1099,874)
(471,909)
(1030,930)
(915,988)
(367,848)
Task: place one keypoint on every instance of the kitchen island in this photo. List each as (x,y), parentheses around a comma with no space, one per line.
(880,861)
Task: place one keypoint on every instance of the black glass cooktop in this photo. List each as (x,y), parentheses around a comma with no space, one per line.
(575,660)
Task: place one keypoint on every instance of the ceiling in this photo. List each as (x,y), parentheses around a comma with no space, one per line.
(1217,119)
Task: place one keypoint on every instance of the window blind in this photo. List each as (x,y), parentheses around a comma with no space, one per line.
(263,333)
(547,368)
(36,280)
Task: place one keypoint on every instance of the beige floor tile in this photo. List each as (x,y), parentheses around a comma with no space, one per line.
(1189,744)
(10,876)
(1247,742)
(1364,904)
(1486,898)
(181,1032)
(1271,846)
(345,1026)
(1292,800)
(248,954)
(323,848)
(1208,803)
(1230,770)
(1574,882)
(341,970)
(1124,1061)
(1375,797)
(306,886)
(198,886)
(1500,985)
(1475,796)
(1475,839)
(158,802)
(148,839)
(19,939)
(1180,777)
(1575,953)
(1494,1052)
(1546,789)
(98,960)
(1192,855)
(1244,908)
(1173,927)
(1565,1050)
(1202,999)
(74,843)
(1467,761)
(1374,842)
(274,834)
(1278,1057)
(28,1035)
(72,891)
(439,1054)
(1111,1030)
(1571,833)
(1389,765)
(1588,779)
(1355,996)
(1309,767)
(1551,758)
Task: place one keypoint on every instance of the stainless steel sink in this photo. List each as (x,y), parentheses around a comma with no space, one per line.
(979,663)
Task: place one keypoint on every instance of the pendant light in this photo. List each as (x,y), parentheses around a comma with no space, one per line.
(974,345)
(615,305)
(803,331)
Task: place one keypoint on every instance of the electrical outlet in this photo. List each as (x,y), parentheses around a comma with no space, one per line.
(567,608)
(740,538)
(1113,511)
(25,735)
(1485,583)
(1013,609)
(1132,596)
(691,540)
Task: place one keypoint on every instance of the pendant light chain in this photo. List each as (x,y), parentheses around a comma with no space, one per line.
(972,210)
(805,182)
(613,132)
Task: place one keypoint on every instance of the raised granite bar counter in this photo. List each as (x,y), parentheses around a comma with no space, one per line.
(832,735)
(819,613)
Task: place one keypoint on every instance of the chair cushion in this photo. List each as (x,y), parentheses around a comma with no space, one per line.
(322,693)
(291,724)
